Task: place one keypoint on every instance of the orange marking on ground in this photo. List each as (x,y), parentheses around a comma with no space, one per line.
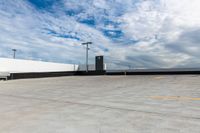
(159,77)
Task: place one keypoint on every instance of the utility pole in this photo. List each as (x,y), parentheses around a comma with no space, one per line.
(87,49)
(14,52)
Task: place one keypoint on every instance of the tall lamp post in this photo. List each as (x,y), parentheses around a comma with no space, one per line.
(14,53)
(87,49)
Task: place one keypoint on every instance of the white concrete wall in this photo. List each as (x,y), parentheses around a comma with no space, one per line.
(23,66)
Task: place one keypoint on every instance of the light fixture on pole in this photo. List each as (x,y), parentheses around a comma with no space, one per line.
(14,53)
(87,49)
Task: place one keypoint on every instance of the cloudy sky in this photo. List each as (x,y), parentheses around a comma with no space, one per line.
(129,33)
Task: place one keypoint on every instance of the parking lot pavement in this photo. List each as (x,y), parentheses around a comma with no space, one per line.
(101,104)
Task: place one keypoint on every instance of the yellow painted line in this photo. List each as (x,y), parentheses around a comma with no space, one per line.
(175,98)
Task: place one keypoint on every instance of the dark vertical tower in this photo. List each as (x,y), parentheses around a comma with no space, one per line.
(99,63)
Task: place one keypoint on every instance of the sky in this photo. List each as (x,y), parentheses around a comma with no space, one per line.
(129,33)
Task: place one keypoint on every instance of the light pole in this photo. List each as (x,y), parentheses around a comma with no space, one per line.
(87,49)
(14,52)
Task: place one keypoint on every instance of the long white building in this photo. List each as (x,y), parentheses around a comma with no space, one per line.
(26,66)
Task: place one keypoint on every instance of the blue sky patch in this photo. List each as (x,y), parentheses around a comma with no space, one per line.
(113,33)
(43,4)
(89,21)
(54,33)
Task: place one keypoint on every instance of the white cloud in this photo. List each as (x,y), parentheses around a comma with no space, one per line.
(165,22)
(164,18)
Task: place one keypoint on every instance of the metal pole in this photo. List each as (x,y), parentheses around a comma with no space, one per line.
(14,52)
(87,49)
(87,58)
(14,55)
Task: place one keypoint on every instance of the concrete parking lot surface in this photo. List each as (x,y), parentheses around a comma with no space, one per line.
(101,104)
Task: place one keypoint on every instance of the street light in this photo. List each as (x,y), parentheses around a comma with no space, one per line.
(14,52)
(87,49)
